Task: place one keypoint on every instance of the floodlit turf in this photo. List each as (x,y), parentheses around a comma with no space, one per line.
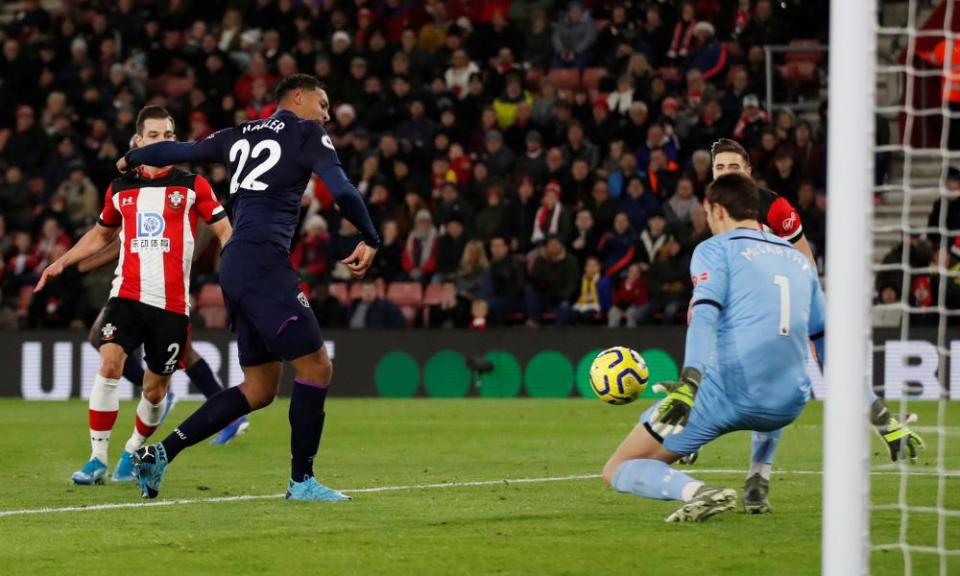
(563,527)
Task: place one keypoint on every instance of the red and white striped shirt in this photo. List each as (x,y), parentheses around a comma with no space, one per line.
(158,220)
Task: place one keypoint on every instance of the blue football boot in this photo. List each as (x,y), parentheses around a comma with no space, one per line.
(235,428)
(149,464)
(93,472)
(312,491)
(124,470)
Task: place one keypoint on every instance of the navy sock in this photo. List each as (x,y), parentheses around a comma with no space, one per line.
(203,378)
(306,426)
(209,419)
(133,371)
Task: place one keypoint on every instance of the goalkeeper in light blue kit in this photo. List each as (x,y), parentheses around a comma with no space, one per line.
(756,304)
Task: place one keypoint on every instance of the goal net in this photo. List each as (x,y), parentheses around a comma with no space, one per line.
(883,517)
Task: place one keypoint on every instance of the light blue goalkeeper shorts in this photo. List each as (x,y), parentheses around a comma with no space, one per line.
(714,415)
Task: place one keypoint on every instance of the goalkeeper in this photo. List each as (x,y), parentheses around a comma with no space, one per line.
(756,304)
(780,217)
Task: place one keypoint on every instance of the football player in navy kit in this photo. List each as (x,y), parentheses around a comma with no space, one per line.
(270,162)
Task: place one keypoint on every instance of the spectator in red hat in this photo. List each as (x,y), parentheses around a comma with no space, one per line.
(709,55)
(552,217)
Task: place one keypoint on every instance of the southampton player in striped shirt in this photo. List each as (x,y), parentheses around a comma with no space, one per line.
(270,162)
(154,213)
(778,216)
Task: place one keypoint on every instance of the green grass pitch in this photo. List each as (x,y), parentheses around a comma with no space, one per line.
(573,526)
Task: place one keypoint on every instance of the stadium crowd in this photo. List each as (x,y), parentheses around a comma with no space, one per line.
(526,161)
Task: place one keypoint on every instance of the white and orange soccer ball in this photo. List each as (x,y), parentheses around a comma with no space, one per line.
(618,375)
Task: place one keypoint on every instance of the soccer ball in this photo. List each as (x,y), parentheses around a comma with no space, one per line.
(618,375)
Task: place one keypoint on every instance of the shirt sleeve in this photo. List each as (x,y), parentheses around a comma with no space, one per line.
(818,316)
(325,164)
(784,220)
(110,216)
(207,204)
(709,275)
(708,271)
(210,149)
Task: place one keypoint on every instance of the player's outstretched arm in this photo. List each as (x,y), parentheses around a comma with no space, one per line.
(95,240)
(101,258)
(709,269)
(167,153)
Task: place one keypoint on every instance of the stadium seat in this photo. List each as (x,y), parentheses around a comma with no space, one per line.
(532,79)
(341,292)
(806,71)
(406,294)
(565,78)
(592,77)
(214,317)
(210,296)
(355,291)
(433,294)
(813,55)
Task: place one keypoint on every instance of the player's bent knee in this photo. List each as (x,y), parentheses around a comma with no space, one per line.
(112,358)
(315,367)
(609,470)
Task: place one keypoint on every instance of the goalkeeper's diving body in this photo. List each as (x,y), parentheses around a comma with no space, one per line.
(755,298)
(777,215)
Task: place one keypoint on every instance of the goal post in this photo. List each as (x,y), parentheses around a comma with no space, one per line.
(850,145)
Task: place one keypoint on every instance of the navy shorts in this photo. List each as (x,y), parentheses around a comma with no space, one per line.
(269,314)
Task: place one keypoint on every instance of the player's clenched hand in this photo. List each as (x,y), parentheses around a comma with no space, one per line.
(50,272)
(360,260)
(122,165)
(674,411)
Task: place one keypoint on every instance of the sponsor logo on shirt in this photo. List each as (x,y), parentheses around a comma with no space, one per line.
(150,227)
(697,278)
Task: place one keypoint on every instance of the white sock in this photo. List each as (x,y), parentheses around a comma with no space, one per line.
(761,469)
(689,489)
(104,405)
(147,420)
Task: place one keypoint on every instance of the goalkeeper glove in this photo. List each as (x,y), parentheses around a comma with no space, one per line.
(674,411)
(900,439)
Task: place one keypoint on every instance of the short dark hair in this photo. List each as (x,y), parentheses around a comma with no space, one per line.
(153,112)
(727,145)
(297,81)
(737,193)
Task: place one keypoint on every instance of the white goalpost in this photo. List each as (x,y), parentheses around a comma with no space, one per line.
(914,511)
(850,140)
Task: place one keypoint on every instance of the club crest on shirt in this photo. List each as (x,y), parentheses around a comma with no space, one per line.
(303,300)
(789,222)
(107,331)
(175,199)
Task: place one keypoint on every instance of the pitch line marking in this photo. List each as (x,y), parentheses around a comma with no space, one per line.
(435,486)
